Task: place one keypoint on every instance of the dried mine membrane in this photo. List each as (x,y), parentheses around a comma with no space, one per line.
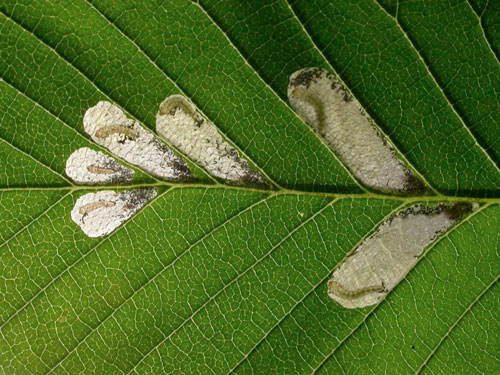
(179,123)
(109,127)
(325,105)
(381,261)
(102,212)
(86,166)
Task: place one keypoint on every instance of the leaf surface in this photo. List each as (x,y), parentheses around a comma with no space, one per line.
(211,278)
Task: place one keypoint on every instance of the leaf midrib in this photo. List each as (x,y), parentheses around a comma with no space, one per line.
(176,85)
(271,88)
(404,200)
(271,195)
(96,87)
(279,188)
(306,193)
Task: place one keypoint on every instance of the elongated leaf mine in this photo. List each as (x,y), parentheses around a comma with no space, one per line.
(92,206)
(106,131)
(339,290)
(325,105)
(86,166)
(109,127)
(180,124)
(99,170)
(174,103)
(383,260)
(101,213)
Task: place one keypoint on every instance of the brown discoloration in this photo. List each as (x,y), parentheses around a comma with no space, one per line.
(454,211)
(183,170)
(306,76)
(136,198)
(252,178)
(335,288)
(171,160)
(106,131)
(347,96)
(458,210)
(328,107)
(180,124)
(413,185)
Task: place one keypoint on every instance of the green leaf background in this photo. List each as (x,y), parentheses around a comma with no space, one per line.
(215,279)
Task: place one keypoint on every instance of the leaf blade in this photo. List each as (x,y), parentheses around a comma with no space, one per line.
(217,279)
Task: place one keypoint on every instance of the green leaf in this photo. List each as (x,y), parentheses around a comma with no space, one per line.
(211,278)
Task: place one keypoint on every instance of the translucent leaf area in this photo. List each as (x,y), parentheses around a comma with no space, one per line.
(210,277)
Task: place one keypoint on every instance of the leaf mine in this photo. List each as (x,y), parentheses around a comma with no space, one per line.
(179,123)
(102,212)
(381,261)
(86,166)
(99,170)
(92,206)
(339,290)
(109,127)
(106,131)
(326,106)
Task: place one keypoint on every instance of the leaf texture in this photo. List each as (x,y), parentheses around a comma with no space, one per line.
(219,279)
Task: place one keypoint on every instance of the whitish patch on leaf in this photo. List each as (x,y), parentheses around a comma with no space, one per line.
(383,259)
(86,166)
(100,213)
(109,127)
(179,123)
(325,105)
